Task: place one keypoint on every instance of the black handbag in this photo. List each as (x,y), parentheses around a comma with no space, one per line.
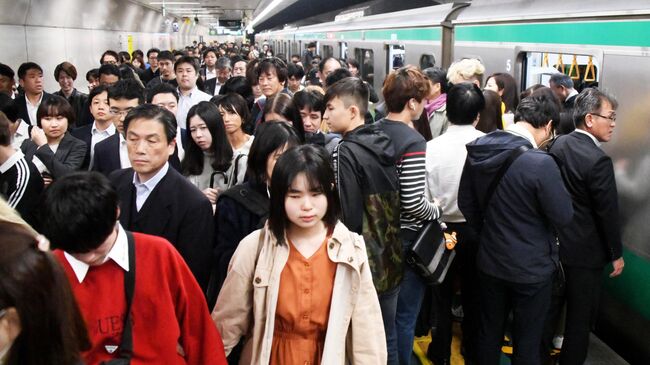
(432,253)
(126,345)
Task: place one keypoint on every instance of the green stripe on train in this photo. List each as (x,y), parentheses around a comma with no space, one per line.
(633,286)
(620,33)
(411,34)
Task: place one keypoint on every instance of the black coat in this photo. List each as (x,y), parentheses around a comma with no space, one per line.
(21,104)
(594,238)
(175,210)
(68,157)
(107,155)
(79,103)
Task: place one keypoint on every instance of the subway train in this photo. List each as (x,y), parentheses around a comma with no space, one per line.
(598,43)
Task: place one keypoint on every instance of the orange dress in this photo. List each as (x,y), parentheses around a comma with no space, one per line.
(303,308)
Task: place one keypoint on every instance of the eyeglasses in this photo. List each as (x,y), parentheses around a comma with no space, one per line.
(120,112)
(611,117)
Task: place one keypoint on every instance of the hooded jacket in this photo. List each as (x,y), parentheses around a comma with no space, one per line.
(368,186)
(517,226)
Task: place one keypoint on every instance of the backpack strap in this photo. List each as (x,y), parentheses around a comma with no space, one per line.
(502,171)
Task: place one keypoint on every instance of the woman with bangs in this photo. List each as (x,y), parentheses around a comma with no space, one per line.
(234,111)
(209,161)
(299,290)
(53,150)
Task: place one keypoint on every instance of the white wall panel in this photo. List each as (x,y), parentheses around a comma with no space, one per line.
(13,46)
(46,46)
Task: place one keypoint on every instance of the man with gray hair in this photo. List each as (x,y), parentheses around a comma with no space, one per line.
(562,86)
(224,69)
(594,238)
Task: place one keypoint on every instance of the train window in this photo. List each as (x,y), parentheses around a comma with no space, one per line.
(427,60)
(396,54)
(328,51)
(538,67)
(343,46)
(366,60)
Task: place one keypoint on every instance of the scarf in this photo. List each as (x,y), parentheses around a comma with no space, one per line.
(435,104)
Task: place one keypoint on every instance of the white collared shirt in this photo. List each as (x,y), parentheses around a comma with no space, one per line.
(590,136)
(210,74)
(217,87)
(185,102)
(445,159)
(22,133)
(118,253)
(124,154)
(98,136)
(32,109)
(521,131)
(143,189)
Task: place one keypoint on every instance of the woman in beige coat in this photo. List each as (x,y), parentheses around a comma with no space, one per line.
(250,307)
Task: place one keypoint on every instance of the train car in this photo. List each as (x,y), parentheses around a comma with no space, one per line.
(598,43)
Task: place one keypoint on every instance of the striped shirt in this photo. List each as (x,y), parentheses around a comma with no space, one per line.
(410,153)
(20,184)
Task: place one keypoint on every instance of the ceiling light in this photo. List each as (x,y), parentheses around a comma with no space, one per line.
(264,13)
(175,3)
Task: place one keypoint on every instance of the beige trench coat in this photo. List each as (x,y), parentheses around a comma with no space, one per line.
(247,301)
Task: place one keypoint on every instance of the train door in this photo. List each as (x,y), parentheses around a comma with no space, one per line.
(328,51)
(538,66)
(395,56)
(343,48)
(366,59)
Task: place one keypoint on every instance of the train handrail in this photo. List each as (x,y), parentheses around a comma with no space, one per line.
(574,66)
(590,69)
(560,64)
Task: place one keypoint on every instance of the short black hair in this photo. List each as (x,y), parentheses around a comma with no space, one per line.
(153,112)
(353,62)
(128,89)
(79,212)
(311,99)
(235,103)
(236,59)
(162,88)
(350,90)
(208,50)
(23,68)
(437,75)
(6,71)
(239,85)
(94,73)
(179,53)
(295,71)
(268,138)
(314,162)
(96,91)
(464,101)
(187,59)
(109,69)
(124,56)
(152,50)
(109,52)
(166,55)
(336,75)
(273,63)
(561,79)
(538,110)
(10,110)
(54,106)
(137,52)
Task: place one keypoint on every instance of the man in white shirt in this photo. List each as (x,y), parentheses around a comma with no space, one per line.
(30,77)
(210,60)
(111,153)
(445,159)
(223,72)
(187,73)
(102,126)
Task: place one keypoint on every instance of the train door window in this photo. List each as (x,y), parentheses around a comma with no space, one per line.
(396,54)
(366,60)
(427,60)
(537,68)
(343,46)
(328,51)
(318,49)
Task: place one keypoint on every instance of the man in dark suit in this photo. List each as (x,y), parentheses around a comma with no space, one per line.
(30,77)
(102,126)
(594,238)
(223,71)
(157,200)
(562,86)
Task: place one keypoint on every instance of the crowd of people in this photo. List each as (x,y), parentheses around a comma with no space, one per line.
(222,204)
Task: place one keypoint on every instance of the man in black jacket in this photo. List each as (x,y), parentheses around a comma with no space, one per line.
(30,77)
(593,239)
(366,178)
(517,254)
(157,200)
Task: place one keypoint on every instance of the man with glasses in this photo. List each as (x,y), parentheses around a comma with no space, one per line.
(111,153)
(593,239)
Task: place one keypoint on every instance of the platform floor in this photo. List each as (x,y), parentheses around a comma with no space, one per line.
(599,352)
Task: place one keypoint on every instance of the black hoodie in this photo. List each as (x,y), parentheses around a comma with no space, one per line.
(517,235)
(368,186)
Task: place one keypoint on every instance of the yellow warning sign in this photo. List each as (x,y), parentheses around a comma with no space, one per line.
(129,43)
